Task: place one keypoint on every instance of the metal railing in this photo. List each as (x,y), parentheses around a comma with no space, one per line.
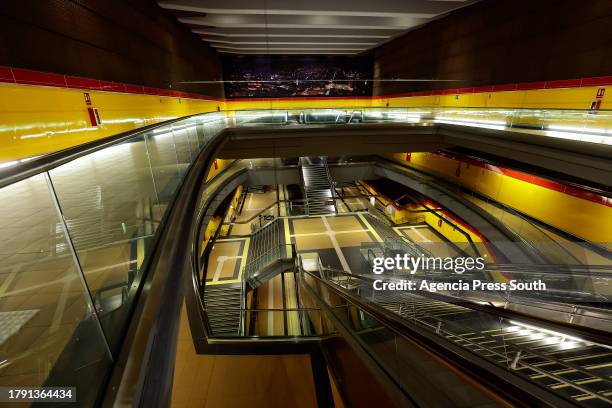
(581,125)
(554,359)
(396,345)
(276,323)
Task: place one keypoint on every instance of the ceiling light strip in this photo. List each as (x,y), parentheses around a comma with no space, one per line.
(215,42)
(263,35)
(288,48)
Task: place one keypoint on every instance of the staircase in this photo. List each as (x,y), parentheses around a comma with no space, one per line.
(268,254)
(317,185)
(262,245)
(223,303)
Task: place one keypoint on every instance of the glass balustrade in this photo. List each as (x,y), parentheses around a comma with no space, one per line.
(581,125)
(77,239)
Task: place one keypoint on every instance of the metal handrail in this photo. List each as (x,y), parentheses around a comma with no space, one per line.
(46,162)
(518,348)
(487,308)
(466,363)
(295,309)
(530,251)
(163,280)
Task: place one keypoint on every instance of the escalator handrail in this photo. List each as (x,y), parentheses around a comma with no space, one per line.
(48,161)
(143,371)
(481,373)
(587,333)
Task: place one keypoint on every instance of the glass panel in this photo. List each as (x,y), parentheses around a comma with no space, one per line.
(260,117)
(201,130)
(164,163)
(108,199)
(49,335)
(192,135)
(326,116)
(181,143)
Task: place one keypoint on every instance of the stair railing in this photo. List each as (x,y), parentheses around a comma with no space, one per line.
(273,254)
(330,182)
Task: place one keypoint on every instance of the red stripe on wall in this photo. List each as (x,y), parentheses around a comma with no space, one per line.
(529,178)
(483,89)
(25,76)
(134,89)
(597,81)
(502,88)
(82,83)
(531,85)
(567,83)
(112,87)
(6,75)
(31,77)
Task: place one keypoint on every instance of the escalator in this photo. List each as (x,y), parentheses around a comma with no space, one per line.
(572,363)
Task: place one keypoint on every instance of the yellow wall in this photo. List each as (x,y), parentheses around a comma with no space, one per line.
(561,98)
(36,119)
(217,167)
(582,218)
(447,229)
(209,232)
(231,211)
(39,119)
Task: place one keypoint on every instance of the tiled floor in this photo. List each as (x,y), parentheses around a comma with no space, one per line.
(350,202)
(341,234)
(254,204)
(270,296)
(226,260)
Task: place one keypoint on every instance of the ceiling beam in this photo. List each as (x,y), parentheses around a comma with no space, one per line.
(287,52)
(226,33)
(290,41)
(387,8)
(306,21)
(290,47)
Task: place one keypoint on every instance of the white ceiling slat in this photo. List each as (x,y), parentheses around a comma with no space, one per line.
(291,33)
(305,26)
(303,21)
(367,8)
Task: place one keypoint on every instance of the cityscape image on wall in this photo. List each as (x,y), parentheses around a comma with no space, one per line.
(276,77)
